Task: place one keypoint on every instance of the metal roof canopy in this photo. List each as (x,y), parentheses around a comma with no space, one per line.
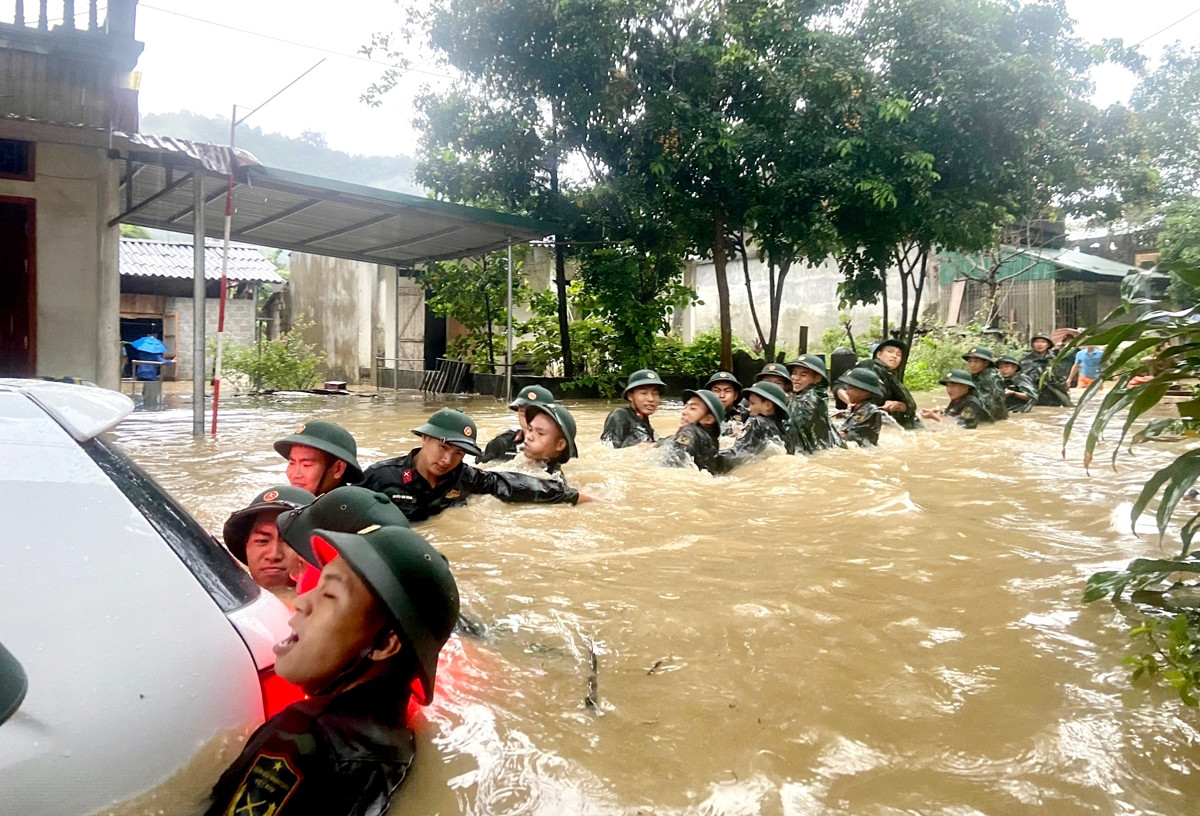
(302,213)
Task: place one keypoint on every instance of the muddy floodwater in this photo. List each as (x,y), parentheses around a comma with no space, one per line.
(885,631)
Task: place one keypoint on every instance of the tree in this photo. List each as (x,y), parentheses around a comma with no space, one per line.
(475,293)
(1179,246)
(973,118)
(539,84)
(1166,104)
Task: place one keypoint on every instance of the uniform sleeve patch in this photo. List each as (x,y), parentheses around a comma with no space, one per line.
(860,415)
(684,438)
(267,787)
(968,412)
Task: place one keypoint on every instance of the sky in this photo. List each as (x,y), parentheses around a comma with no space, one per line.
(262,45)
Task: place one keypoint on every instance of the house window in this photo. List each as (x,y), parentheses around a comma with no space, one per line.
(16,159)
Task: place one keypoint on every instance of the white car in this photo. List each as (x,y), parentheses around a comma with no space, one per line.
(129,640)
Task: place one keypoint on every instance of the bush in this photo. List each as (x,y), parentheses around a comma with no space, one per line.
(935,353)
(284,364)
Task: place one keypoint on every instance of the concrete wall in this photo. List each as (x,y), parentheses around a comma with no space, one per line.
(239,328)
(353,306)
(810,299)
(78,287)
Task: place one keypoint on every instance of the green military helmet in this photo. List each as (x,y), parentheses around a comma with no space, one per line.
(532,395)
(983,353)
(1041,336)
(562,418)
(1008,359)
(326,437)
(726,377)
(863,378)
(813,362)
(642,376)
(773,370)
(452,427)
(958,375)
(413,582)
(241,522)
(770,392)
(711,401)
(345,509)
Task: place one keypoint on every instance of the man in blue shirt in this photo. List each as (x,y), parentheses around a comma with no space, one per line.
(1087,366)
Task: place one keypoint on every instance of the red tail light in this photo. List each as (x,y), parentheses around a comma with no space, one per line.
(277,693)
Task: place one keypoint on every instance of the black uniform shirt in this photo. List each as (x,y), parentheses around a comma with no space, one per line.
(503,448)
(339,756)
(625,428)
(694,440)
(399,479)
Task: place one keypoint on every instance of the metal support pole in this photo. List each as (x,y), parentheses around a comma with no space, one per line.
(396,338)
(508,346)
(198,329)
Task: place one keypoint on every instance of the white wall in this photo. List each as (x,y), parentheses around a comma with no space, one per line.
(809,299)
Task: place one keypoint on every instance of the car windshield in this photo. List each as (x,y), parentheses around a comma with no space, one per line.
(229,585)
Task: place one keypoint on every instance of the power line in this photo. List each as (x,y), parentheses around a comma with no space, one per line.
(317,48)
(1172,25)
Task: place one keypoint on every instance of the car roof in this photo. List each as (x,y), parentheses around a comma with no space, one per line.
(84,411)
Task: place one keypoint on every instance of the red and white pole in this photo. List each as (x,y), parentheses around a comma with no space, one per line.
(224,279)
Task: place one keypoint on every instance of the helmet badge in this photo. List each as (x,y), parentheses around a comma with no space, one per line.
(270,495)
(649,375)
(467,431)
(300,430)
(532,395)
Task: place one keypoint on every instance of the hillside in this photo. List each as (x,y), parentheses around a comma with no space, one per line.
(306,154)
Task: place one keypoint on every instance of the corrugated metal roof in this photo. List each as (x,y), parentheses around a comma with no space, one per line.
(303,213)
(1083,262)
(173,259)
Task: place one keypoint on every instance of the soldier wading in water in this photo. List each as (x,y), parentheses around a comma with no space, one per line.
(368,633)
(630,425)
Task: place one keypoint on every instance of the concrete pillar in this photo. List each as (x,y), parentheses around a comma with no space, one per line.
(108,277)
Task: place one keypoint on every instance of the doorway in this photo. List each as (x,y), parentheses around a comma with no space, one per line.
(18,282)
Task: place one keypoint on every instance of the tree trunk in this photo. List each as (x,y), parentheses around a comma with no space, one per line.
(487,311)
(883,295)
(905,275)
(749,290)
(777,302)
(722,291)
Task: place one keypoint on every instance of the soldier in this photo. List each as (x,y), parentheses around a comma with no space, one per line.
(1020,395)
(550,438)
(427,480)
(864,418)
(253,538)
(767,426)
(699,431)
(776,373)
(964,405)
(506,446)
(988,386)
(321,456)
(1052,388)
(361,644)
(629,425)
(898,401)
(808,409)
(729,390)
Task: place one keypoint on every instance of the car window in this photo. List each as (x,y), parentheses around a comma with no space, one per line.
(13,684)
(229,585)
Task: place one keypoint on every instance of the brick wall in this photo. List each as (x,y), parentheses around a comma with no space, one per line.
(239,328)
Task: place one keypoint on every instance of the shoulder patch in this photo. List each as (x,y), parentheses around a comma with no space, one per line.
(861,415)
(685,437)
(267,787)
(968,412)
(407,476)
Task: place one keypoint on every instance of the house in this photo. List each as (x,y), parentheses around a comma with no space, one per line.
(1040,289)
(67,87)
(156,295)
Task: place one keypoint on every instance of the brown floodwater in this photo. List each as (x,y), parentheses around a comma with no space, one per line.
(886,631)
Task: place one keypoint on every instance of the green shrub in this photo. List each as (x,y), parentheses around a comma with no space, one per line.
(935,353)
(284,364)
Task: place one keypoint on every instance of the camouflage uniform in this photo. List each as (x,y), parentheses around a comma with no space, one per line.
(1018,382)
(967,410)
(695,442)
(808,410)
(988,385)
(625,427)
(1052,390)
(894,387)
(866,420)
(760,433)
